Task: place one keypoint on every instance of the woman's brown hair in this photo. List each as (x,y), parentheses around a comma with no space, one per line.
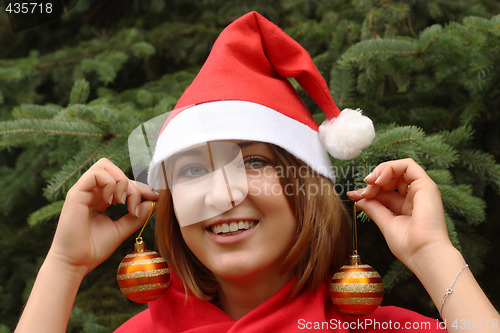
(321,245)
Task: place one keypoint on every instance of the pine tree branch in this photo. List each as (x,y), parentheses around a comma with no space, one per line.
(57,63)
(70,170)
(46,213)
(79,92)
(452,232)
(366,50)
(396,136)
(35,111)
(114,149)
(397,273)
(436,151)
(482,164)
(410,26)
(459,200)
(118,153)
(49,126)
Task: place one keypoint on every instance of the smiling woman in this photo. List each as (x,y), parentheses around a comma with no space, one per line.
(249,249)
(284,227)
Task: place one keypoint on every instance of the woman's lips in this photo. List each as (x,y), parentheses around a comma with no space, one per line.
(231,228)
(231,232)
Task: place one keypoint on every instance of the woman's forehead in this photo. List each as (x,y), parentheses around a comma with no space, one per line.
(228,144)
(222,149)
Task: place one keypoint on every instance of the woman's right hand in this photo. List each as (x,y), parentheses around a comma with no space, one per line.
(85,236)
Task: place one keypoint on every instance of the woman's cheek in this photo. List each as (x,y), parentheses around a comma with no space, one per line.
(265,186)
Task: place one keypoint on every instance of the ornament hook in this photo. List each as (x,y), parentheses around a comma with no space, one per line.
(354,231)
(139,245)
(139,238)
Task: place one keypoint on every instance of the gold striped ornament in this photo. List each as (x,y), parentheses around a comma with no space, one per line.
(356,289)
(143,275)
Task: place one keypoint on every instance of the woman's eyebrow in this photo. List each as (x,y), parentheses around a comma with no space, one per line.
(245,144)
(191,152)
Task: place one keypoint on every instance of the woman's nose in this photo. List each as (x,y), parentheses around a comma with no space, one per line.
(223,194)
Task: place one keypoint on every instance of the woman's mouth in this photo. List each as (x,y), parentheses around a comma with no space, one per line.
(231,228)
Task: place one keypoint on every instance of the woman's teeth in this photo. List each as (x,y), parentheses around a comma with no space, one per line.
(232,228)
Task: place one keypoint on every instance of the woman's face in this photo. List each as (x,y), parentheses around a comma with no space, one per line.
(253,237)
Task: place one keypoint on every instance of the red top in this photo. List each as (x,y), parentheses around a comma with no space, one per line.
(176,312)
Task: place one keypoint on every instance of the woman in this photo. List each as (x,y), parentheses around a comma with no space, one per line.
(250,244)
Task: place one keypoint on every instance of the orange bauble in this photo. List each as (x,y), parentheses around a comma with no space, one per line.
(143,275)
(356,289)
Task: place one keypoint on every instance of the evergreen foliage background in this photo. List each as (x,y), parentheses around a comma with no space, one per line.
(426,72)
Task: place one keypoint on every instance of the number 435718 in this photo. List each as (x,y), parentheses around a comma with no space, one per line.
(29,8)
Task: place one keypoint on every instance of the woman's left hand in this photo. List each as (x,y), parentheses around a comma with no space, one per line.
(406,205)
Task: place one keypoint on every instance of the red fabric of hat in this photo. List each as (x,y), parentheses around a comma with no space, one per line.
(242,92)
(251,61)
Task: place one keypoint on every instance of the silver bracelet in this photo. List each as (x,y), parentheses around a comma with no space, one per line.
(449,291)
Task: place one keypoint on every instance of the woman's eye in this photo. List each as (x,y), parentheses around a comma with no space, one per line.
(193,171)
(254,162)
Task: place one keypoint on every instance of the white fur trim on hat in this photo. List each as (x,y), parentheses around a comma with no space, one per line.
(239,120)
(345,136)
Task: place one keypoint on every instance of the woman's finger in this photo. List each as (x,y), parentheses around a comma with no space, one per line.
(135,195)
(355,195)
(379,213)
(121,189)
(98,176)
(129,223)
(133,199)
(403,186)
(122,181)
(370,191)
(394,201)
(146,192)
(104,181)
(406,168)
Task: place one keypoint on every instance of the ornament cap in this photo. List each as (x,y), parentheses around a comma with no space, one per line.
(354,259)
(139,245)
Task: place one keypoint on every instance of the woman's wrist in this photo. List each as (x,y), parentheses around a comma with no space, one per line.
(56,262)
(432,257)
(431,261)
(436,270)
(49,305)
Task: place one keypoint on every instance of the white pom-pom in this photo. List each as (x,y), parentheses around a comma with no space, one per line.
(345,136)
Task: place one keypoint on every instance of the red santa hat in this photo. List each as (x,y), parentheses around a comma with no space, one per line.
(242,92)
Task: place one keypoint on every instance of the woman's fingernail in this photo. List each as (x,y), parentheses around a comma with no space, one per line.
(124,198)
(137,211)
(364,191)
